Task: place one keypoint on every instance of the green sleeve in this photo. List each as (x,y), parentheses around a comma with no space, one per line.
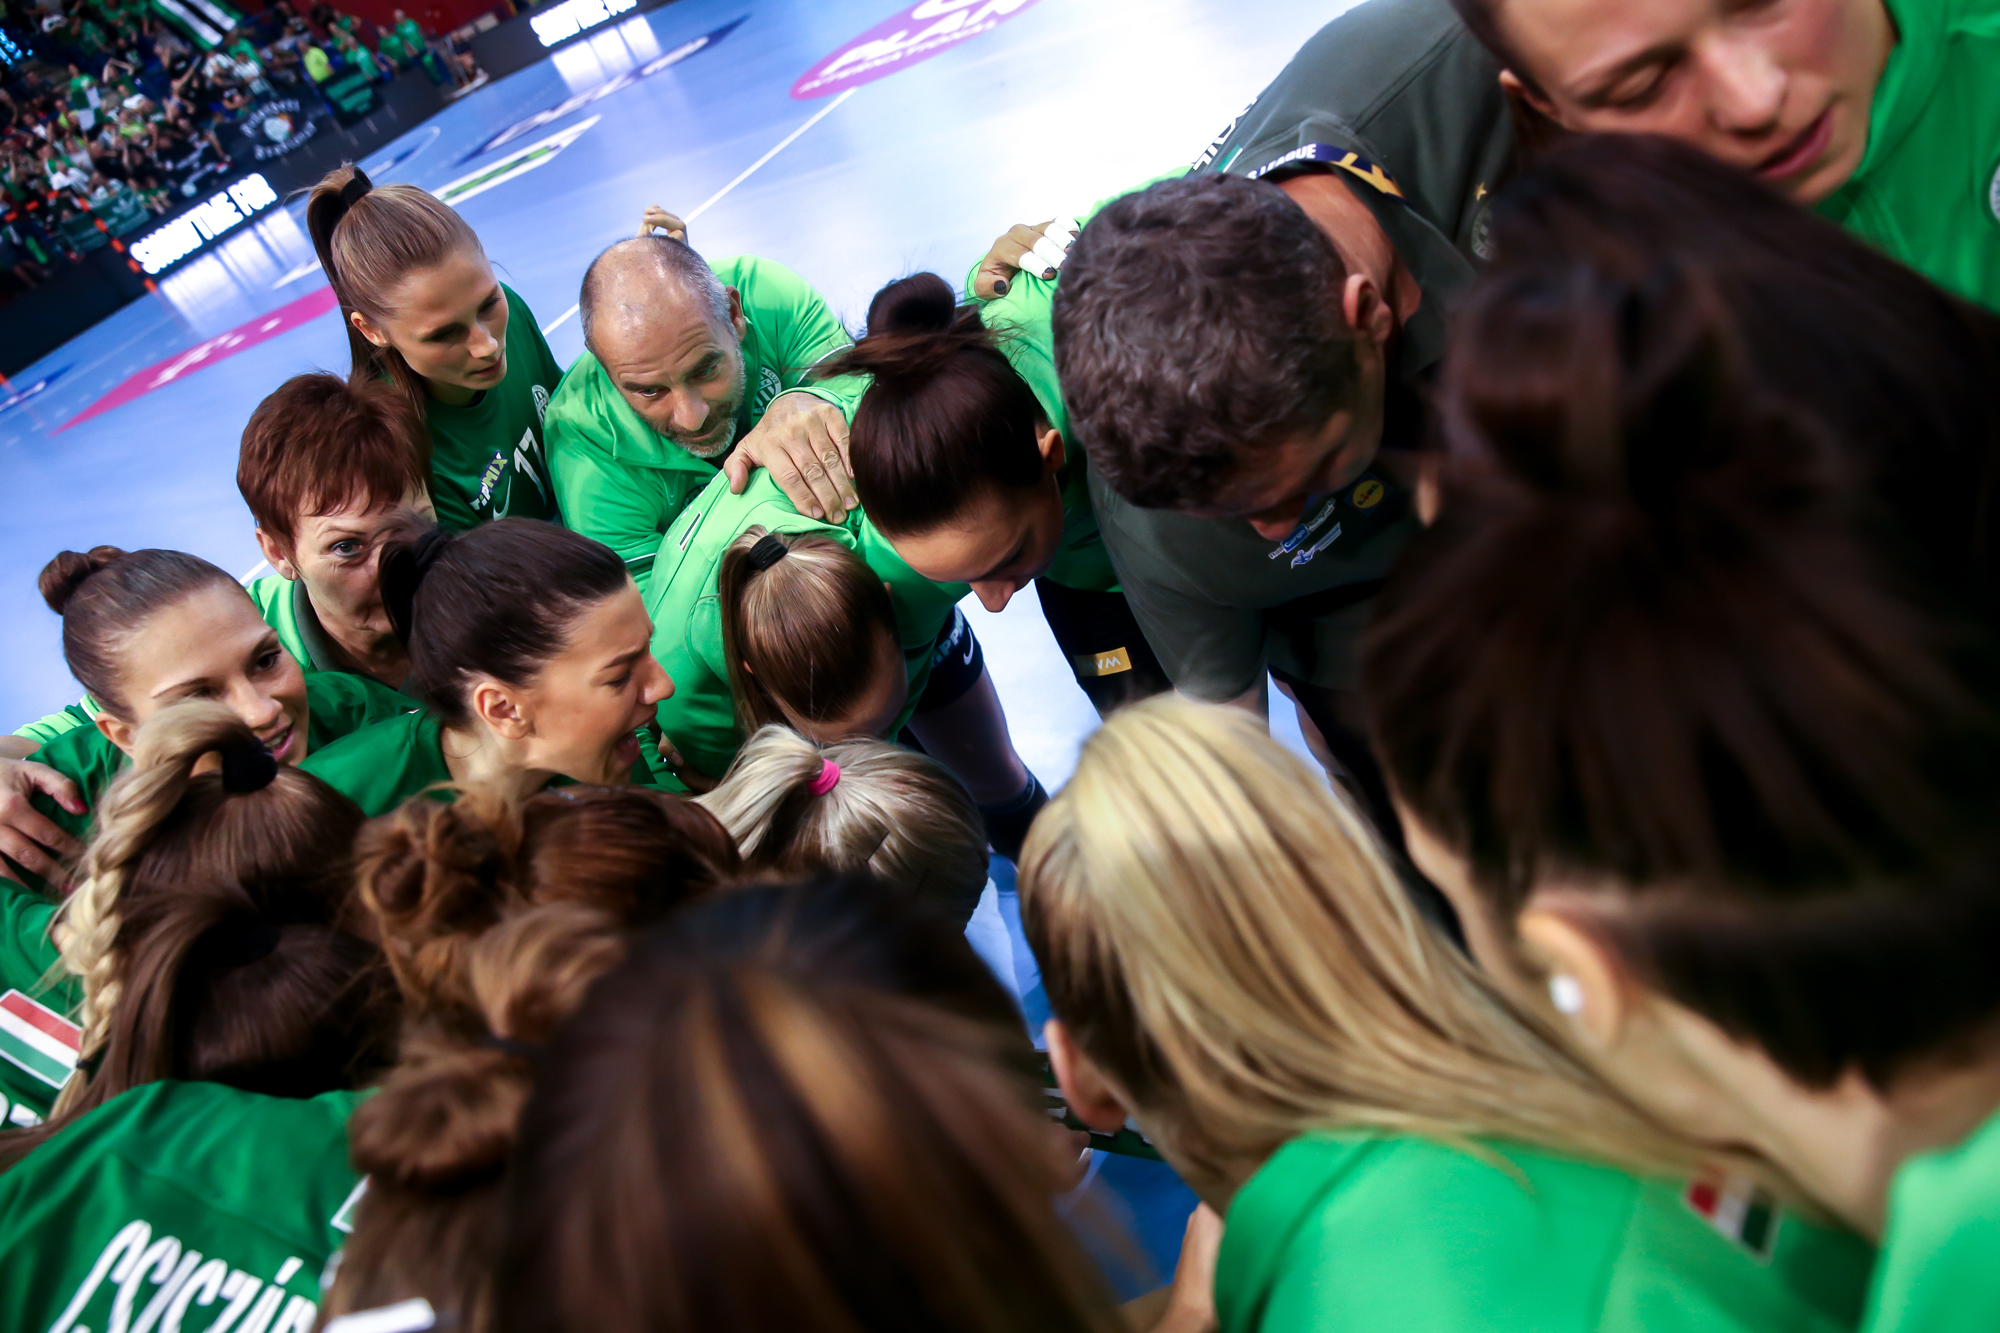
(591,437)
(1937,1273)
(699,718)
(1172,173)
(625,507)
(55,724)
(843,391)
(28,956)
(342,703)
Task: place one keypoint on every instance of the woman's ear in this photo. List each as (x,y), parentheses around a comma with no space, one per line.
(276,557)
(366,328)
(1586,980)
(1054,455)
(495,705)
(1089,1093)
(118,731)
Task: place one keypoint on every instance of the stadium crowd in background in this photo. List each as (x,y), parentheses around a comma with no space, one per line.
(112,114)
(540,903)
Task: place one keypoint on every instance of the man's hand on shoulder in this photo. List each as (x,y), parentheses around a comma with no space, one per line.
(802,439)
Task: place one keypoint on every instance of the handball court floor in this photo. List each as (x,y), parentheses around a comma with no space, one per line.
(127,435)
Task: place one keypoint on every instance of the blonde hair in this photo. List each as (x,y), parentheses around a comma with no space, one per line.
(161,824)
(1226,939)
(893,812)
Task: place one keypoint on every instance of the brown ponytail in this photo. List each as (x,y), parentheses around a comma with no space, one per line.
(368,240)
(495,916)
(803,620)
(947,418)
(211,927)
(793,1107)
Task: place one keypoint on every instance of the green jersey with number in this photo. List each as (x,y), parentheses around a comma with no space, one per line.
(622,482)
(1371,1232)
(1939,1272)
(1928,187)
(700,717)
(181,1208)
(487,460)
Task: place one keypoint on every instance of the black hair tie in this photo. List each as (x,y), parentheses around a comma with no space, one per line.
(425,552)
(247,768)
(520,1050)
(354,189)
(768,551)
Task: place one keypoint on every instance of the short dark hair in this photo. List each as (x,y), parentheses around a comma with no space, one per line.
(497,601)
(320,443)
(1669,628)
(1198,320)
(947,418)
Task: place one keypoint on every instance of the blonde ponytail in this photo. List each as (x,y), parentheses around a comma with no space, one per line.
(1225,937)
(798,808)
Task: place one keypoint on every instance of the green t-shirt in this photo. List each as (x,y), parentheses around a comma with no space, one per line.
(700,717)
(412,35)
(486,457)
(1940,1269)
(1364,1232)
(381,766)
(179,1207)
(622,482)
(1928,188)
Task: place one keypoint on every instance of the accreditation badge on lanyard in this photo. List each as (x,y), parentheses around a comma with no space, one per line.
(1346,518)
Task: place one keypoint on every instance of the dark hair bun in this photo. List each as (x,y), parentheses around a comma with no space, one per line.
(915,328)
(920,303)
(64,575)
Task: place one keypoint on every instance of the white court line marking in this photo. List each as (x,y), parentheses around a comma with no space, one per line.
(741,176)
(261,567)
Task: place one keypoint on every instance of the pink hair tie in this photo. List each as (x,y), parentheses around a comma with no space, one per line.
(829,774)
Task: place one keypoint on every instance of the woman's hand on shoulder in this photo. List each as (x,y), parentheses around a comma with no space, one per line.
(28,838)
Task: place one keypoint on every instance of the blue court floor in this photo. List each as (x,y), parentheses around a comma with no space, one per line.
(1062,103)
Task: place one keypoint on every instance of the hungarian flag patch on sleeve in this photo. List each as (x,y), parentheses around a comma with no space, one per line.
(38,1039)
(1743,1211)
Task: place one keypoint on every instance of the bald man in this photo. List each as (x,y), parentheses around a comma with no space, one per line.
(690,367)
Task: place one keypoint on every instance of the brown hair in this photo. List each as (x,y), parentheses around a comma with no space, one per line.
(499,600)
(368,240)
(495,916)
(1198,322)
(319,444)
(798,627)
(890,811)
(947,418)
(794,1107)
(213,928)
(1669,631)
(105,596)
